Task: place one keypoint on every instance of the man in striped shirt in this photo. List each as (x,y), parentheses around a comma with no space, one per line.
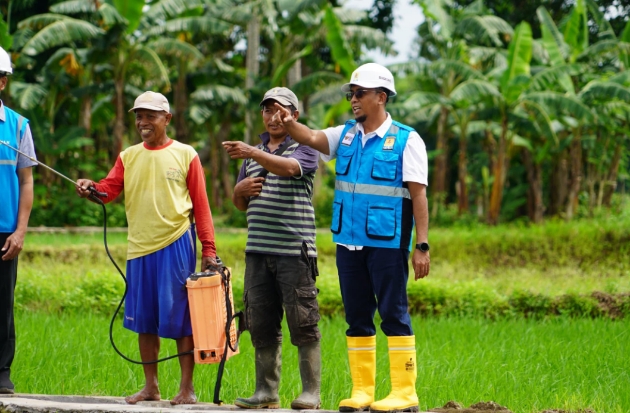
(280,254)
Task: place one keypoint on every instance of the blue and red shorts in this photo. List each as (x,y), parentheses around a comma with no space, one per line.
(157,300)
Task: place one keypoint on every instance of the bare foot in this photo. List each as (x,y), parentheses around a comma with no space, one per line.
(144,394)
(185,397)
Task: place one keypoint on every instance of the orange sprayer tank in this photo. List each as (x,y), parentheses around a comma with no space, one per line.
(208,315)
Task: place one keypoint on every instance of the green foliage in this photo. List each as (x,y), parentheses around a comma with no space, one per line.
(60,207)
(526,365)
(576,270)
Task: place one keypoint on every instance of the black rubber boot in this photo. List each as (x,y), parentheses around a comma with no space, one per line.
(310,357)
(268,362)
(6,386)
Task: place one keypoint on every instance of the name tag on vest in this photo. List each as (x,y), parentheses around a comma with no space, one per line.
(347,140)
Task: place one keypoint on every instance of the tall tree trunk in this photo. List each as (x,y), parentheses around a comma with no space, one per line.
(462,173)
(535,207)
(439,173)
(253,67)
(558,184)
(293,76)
(221,184)
(85,114)
(499,172)
(119,122)
(227,182)
(612,176)
(216,200)
(181,103)
(575,158)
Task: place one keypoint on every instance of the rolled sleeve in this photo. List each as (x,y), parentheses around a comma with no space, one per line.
(307,159)
(415,162)
(28,147)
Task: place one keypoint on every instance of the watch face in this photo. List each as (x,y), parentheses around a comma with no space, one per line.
(424,247)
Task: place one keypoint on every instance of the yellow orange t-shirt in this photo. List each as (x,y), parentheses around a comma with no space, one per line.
(162,185)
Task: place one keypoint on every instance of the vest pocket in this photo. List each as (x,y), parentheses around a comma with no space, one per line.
(384,166)
(342,163)
(335,226)
(381,221)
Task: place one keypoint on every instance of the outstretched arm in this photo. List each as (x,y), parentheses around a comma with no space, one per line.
(316,139)
(277,165)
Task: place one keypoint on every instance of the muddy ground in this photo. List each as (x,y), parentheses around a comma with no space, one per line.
(491,407)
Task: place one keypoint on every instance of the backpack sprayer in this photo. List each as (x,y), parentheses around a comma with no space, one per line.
(215,335)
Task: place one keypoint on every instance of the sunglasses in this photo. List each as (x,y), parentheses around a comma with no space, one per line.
(359,93)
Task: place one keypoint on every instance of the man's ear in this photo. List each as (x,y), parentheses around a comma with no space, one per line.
(296,115)
(168,116)
(3,82)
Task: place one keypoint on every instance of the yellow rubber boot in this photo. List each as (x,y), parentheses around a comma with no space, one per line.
(362,358)
(403,372)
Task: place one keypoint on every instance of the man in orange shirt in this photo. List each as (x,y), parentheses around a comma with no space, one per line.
(164,183)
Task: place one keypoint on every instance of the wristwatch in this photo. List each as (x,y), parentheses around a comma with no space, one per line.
(423,246)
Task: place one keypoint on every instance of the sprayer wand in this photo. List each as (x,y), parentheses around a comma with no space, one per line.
(94,194)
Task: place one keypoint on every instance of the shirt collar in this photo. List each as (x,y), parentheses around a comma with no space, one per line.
(265,138)
(381,130)
(2,115)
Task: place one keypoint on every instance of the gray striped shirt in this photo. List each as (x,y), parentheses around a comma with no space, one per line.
(282,217)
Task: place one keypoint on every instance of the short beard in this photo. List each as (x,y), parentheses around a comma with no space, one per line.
(361,118)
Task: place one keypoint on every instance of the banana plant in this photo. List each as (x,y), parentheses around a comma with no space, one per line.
(448,38)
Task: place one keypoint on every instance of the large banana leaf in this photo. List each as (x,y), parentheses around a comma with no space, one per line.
(555,46)
(418,100)
(559,103)
(220,95)
(166,9)
(282,70)
(597,90)
(483,29)
(436,10)
(62,31)
(317,81)
(542,120)
(369,38)
(623,78)
(131,10)
(74,7)
(473,91)
(519,57)
(195,24)
(576,30)
(174,47)
(152,63)
(110,15)
(341,52)
(605,30)
(6,41)
(294,7)
(548,78)
(446,67)
(27,95)
(624,57)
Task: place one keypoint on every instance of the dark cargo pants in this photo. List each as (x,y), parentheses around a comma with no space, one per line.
(8,277)
(271,283)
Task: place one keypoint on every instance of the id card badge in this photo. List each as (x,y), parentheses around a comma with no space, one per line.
(389,143)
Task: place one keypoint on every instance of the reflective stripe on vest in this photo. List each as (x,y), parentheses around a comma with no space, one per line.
(370,189)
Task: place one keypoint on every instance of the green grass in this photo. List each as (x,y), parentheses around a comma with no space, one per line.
(480,271)
(525,365)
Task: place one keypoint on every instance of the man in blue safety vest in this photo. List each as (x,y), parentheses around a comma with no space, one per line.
(380,190)
(16,181)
